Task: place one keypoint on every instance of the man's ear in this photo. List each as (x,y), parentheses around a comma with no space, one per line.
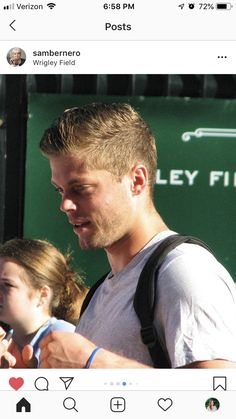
(139,176)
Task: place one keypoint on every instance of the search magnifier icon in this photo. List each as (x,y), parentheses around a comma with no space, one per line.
(69,403)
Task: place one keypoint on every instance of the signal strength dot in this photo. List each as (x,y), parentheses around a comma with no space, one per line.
(51,5)
(8,7)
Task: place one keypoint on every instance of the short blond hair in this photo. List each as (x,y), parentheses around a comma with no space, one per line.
(110,137)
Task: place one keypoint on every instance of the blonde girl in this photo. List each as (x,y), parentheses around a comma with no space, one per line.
(39,293)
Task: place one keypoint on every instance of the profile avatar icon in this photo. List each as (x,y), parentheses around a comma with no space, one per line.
(16,57)
(212,404)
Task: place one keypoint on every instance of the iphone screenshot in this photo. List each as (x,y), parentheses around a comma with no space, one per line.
(117,209)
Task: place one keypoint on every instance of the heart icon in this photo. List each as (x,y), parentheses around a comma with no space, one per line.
(16,383)
(164,404)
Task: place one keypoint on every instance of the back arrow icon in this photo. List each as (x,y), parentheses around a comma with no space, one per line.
(12,24)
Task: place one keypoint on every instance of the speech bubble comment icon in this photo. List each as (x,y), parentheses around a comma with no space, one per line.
(41,384)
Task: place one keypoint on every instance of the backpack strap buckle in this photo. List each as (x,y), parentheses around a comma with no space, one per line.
(149,336)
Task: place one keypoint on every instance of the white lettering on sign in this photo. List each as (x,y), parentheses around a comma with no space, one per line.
(215,176)
(181,177)
(160,181)
(191,176)
(222,177)
(177,177)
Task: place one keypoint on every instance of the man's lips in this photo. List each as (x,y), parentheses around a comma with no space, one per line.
(80,223)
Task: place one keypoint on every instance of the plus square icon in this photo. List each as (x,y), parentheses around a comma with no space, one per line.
(117,404)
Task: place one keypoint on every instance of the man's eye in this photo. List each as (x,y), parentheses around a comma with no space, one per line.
(58,190)
(80,189)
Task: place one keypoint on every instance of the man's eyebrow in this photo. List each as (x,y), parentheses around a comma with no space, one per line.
(71,182)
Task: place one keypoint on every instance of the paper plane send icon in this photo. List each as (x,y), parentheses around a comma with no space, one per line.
(67,381)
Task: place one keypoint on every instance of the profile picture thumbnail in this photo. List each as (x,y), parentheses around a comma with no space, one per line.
(212,404)
(16,57)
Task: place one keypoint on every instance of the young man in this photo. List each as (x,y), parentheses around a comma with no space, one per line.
(103,163)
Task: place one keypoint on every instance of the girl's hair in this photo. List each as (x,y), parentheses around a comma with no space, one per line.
(46,265)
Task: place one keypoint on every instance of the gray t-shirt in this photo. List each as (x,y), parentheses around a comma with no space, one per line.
(195,313)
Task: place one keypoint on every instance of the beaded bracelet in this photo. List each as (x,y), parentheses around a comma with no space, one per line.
(91,358)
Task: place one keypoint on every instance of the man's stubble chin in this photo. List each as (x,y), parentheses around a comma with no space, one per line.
(104,235)
(101,240)
(91,243)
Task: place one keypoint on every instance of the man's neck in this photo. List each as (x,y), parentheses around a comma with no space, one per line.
(123,251)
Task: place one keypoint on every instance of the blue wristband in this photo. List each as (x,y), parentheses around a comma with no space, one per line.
(91,358)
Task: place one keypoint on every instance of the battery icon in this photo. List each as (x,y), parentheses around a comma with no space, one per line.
(224,6)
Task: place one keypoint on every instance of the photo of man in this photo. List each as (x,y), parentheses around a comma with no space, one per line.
(16,57)
(116,193)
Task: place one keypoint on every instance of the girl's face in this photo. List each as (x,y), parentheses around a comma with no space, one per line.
(18,301)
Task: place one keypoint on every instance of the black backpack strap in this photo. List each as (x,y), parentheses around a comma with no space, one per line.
(91,292)
(145,295)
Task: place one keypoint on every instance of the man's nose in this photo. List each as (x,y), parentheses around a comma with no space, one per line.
(67,205)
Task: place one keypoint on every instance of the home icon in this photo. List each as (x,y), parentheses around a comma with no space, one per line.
(23,406)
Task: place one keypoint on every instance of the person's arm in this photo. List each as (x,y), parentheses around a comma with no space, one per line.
(71,350)
(214,363)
